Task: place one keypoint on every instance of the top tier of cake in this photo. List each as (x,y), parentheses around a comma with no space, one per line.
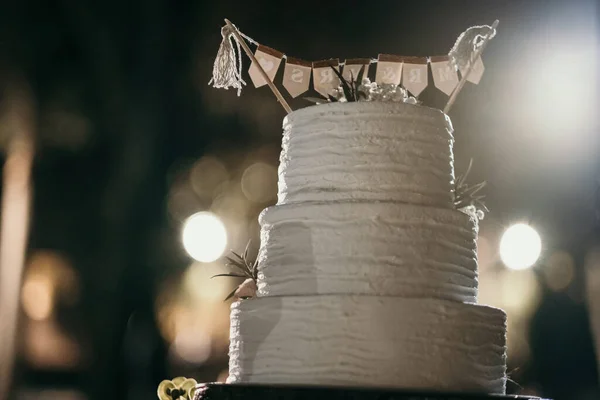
(384,152)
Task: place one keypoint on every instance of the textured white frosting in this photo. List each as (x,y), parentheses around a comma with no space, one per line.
(374,248)
(368,341)
(367,274)
(367,151)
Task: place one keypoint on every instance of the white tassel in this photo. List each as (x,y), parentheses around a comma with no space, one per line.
(227,71)
(466,44)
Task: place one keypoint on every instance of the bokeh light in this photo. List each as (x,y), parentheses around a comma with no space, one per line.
(561,83)
(230,201)
(198,282)
(559,271)
(192,346)
(192,316)
(49,279)
(520,246)
(520,292)
(259,182)
(37,297)
(47,345)
(204,237)
(206,175)
(50,285)
(182,201)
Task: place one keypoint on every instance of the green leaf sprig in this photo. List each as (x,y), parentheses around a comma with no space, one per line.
(350,88)
(468,195)
(244,268)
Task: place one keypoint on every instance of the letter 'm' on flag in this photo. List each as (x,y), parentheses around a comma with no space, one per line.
(444,75)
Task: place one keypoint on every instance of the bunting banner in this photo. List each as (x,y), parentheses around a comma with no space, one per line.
(444,75)
(395,76)
(410,72)
(296,76)
(407,71)
(269,59)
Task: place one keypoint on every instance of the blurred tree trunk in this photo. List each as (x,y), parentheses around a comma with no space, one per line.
(18,120)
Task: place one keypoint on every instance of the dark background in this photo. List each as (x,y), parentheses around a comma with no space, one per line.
(122,109)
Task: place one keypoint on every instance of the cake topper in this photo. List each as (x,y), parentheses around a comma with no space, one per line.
(397,78)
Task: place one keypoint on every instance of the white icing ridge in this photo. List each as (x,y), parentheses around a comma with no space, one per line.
(368,341)
(367,151)
(372,248)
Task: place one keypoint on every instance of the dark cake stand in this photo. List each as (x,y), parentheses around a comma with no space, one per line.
(221,391)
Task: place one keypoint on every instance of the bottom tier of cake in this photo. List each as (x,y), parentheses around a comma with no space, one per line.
(368,341)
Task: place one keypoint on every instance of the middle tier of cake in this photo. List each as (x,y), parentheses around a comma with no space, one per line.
(368,248)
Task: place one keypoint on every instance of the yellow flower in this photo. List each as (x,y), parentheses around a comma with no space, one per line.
(179,388)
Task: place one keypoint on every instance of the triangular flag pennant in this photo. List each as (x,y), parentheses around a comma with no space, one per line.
(389,69)
(296,76)
(414,74)
(476,72)
(324,79)
(269,59)
(445,77)
(352,68)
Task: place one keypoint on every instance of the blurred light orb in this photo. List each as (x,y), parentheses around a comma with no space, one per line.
(230,201)
(559,271)
(520,246)
(37,297)
(204,237)
(192,346)
(520,292)
(259,182)
(206,175)
(182,202)
(199,285)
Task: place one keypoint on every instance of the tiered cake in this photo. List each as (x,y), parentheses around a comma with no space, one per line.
(367,272)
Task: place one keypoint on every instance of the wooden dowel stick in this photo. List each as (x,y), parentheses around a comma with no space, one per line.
(464,77)
(249,53)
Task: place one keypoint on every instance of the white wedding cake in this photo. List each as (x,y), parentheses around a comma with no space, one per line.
(367,274)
